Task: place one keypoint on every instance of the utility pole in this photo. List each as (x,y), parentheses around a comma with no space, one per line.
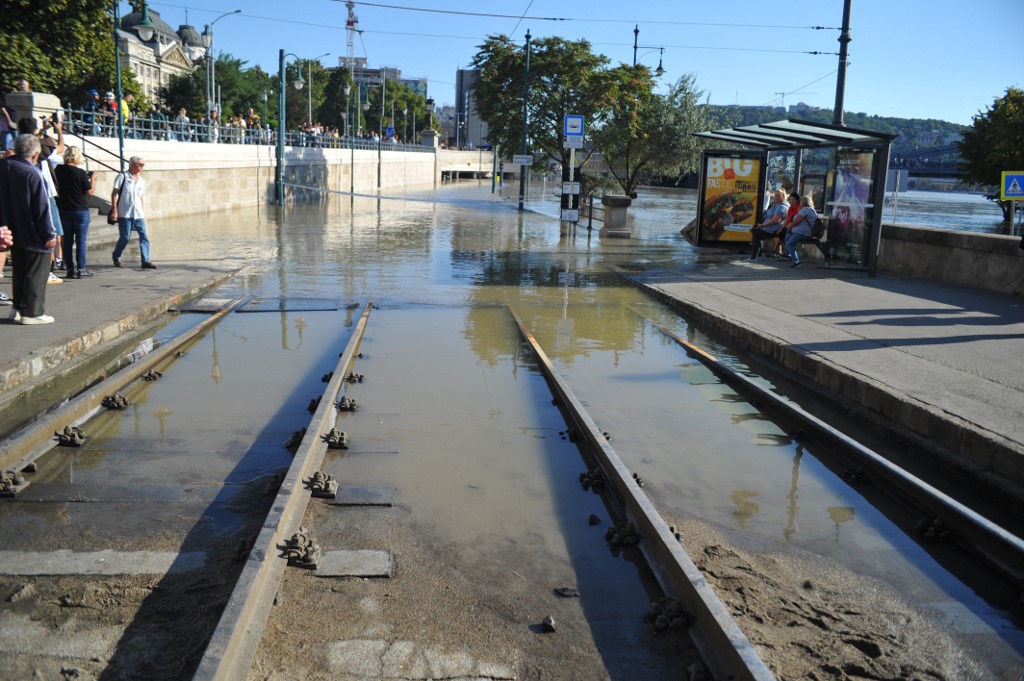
(526,120)
(844,41)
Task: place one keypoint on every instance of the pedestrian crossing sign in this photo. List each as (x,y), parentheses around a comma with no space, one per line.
(1012,186)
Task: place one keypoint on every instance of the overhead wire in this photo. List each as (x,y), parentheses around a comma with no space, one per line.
(793,92)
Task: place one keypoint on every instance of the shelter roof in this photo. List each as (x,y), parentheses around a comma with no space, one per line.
(795,134)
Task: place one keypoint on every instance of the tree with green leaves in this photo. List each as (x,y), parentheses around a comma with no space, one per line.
(994,143)
(64,47)
(648,134)
(565,77)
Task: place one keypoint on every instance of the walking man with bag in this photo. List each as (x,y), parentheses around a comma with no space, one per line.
(126,208)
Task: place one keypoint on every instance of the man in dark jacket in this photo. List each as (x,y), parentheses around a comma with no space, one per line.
(25,209)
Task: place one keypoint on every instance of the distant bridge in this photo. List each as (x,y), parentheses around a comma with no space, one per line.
(932,162)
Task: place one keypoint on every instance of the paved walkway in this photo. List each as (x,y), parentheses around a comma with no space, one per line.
(96,310)
(943,361)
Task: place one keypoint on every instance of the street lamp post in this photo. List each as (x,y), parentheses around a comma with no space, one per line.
(380,132)
(526,120)
(281,111)
(351,144)
(660,71)
(310,65)
(211,65)
(405,124)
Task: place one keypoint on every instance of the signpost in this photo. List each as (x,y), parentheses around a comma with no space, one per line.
(1011,189)
(573,127)
(523,159)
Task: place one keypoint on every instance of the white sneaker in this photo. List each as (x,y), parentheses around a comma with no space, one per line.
(15,316)
(4,300)
(41,319)
(54,279)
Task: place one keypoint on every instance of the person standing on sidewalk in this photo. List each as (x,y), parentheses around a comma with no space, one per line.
(126,207)
(76,186)
(25,209)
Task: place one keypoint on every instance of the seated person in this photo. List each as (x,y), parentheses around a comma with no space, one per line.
(771,224)
(780,236)
(800,228)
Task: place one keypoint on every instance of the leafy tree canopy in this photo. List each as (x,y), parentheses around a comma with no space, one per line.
(648,134)
(565,78)
(61,46)
(995,142)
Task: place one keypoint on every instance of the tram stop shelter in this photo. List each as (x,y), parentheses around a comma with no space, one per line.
(843,169)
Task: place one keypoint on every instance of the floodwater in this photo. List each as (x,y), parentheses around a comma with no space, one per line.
(474,437)
(464,249)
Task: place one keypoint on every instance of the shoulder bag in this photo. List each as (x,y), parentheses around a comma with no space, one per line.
(111,220)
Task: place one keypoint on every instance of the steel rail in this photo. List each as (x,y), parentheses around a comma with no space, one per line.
(28,444)
(969,529)
(232,647)
(718,638)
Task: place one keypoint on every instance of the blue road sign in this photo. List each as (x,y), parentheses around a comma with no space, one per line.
(1012,186)
(573,125)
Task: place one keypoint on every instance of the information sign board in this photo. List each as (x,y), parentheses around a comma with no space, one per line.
(570,187)
(573,143)
(573,125)
(523,159)
(570,215)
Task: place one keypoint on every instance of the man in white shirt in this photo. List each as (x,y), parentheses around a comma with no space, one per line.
(126,207)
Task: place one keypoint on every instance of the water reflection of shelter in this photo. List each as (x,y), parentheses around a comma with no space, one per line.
(862,156)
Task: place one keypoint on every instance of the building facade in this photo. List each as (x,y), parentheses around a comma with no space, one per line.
(469,131)
(165,54)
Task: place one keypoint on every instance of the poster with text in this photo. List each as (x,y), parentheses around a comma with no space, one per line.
(730,195)
(851,213)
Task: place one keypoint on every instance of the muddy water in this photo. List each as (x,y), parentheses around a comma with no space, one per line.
(464,429)
(712,455)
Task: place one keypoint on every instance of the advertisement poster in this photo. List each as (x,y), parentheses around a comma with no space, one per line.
(730,194)
(851,212)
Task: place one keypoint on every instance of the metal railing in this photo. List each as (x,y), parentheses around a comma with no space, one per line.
(82,122)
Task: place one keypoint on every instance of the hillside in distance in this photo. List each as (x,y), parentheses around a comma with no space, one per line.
(913,133)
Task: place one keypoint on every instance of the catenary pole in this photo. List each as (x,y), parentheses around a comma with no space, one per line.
(844,41)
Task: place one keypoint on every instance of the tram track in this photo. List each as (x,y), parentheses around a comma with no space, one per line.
(957,523)
(253,569)
(128,598)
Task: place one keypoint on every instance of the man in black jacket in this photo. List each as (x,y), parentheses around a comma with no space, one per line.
(25,209)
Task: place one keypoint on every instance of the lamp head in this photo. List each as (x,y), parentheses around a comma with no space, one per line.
(348,89)
(299,81)
(145,27)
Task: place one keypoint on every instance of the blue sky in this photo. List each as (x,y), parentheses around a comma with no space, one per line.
(940,59)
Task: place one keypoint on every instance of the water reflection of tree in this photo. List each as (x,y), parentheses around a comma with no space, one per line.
(546,295)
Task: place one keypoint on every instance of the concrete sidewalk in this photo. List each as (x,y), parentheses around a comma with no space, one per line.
(942,362)
(96,310)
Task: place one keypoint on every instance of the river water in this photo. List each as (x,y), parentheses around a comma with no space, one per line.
(940,210)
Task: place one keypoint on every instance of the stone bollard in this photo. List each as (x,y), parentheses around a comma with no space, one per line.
(615,208)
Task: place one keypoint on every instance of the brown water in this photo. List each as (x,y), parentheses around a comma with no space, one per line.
(473,439)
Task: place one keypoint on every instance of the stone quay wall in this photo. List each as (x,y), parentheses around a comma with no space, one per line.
(186,178)
(992,262)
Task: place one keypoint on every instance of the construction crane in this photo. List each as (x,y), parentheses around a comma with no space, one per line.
(350,29)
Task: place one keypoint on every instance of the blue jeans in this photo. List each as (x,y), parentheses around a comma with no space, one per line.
(792,241)
(124,230)
(76,230)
